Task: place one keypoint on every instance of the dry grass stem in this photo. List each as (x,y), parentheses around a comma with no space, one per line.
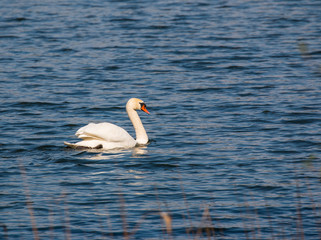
(28,201)
(168,222)
(300,232)
(207,222)
(5,231)
(67,221)
(123,215)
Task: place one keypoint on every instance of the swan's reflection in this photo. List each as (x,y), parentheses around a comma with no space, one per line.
(130,170)
(118,153)
(139,151)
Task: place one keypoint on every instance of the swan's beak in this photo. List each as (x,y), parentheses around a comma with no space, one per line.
(143,108)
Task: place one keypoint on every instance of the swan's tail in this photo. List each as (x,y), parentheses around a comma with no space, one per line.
(71,145)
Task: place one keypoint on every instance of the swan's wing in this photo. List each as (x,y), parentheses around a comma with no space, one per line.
(104,131)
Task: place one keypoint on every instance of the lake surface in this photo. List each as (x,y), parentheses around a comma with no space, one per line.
(233,88)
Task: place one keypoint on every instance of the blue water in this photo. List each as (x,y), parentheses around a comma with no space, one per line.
(233,88)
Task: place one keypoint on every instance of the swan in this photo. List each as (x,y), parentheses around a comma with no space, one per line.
(106,136)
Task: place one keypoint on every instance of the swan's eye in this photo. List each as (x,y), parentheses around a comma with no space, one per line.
(142,104)
(143,107)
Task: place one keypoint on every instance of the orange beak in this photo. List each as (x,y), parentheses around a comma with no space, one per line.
(143,108)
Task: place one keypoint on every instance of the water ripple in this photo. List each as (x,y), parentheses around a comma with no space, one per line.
(234,94)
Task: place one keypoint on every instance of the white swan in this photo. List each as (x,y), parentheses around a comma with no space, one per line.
(107,136)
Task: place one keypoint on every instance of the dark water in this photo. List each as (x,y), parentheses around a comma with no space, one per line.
(233,88)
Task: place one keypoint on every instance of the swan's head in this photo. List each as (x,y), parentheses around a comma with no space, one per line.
(136,104)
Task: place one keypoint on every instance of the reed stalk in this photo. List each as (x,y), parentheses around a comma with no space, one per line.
(23,174)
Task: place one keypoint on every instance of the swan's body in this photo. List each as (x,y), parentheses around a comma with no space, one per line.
(107,136)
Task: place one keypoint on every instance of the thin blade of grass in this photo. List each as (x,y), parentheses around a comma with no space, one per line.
(28,201)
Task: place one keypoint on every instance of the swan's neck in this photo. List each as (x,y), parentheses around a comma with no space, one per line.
(141,135)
